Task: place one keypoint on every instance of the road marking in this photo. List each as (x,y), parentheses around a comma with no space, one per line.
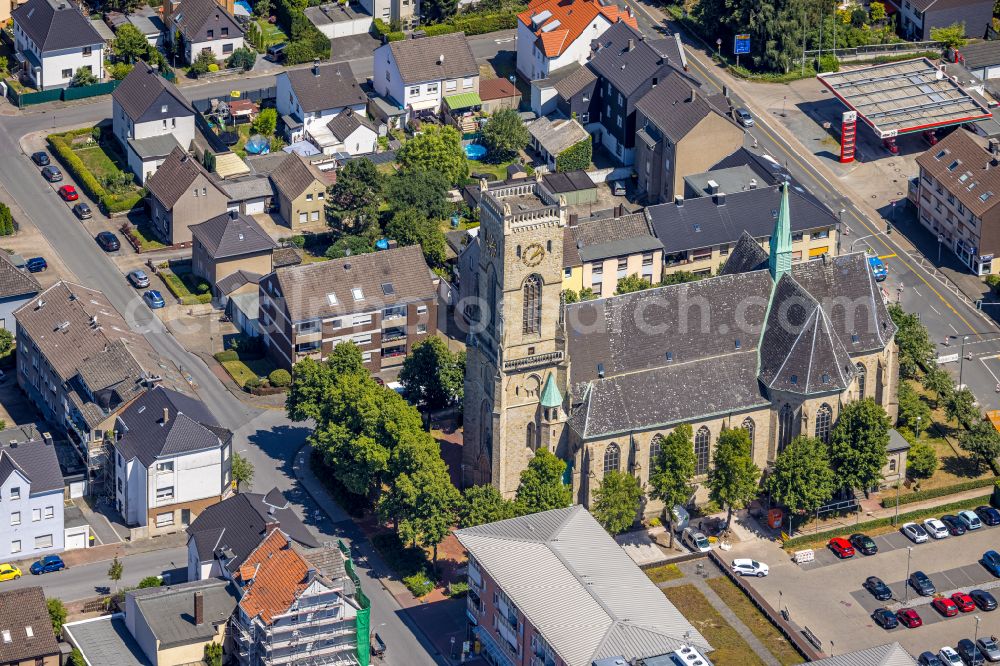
(888,256)
(935,309)
(983,361)
(952,328)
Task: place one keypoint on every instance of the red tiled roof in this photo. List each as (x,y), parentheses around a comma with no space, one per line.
(280,578)
(574,16)
(496,89)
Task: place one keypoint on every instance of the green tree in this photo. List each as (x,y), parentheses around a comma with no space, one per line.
(6,220)
(802,479)
(353,201)
(436,148)
(484,504)
(921,460)
(952,36)
(438,11)
(616,501)
(632,283)
(982,441)
(150,581)
(57,614)
(962,408)
(542,486)
(679,277)
(349,246)
(733,478)
(299,52)
(244,58)
(505,135)
(202,62)
(311,379)
(123,6)
(411,227)
(266,122)
(876,12)
(213,654)
(83,77)
(914,413)
(129,44)
(858,444)
(419,190)
(76,658)
(432,376)
(262,8)
(915,346)
(242,471)
(115,571)
(119,70)
(939,382)
(672,471)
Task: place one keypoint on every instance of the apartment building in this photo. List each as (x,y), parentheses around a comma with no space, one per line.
(599,252)
(384,302)
(31,500)
(956,195)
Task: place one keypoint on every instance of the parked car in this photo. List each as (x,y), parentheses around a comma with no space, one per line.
(885,618)
(863,544)
(915,532)
(36,264)
(138,278)
(52,174)
(945,606)
(41,158)
(920,582)
(9,572)
(989,648)
(877,266)
(984,600)
(618,188)
(841,547)
(936,528)
(748,567)
(83,211)
(909,618)
(47,564)
(743,117)
(988,515)
(276,52)
(955,526)
(696,541)
(991,560)
(108,241)
(929,659)
(949,656)
(969,653)
(377,645)
(154,299)
(963,601)
(878,588)
(68,193)
(970,520)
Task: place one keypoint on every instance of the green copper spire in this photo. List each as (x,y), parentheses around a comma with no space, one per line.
(551,397)
(779,259)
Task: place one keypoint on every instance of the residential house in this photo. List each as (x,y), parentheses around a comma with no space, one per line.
(31,500)
(351,133)
(416,74)
(597,253)
(301,191)
(384,302)
(919,17)
(17,287)
(150,118)
(230,243)
(498,94)
(80,363)
(53,40)
(680,131)
(569,91)
(249,194)
(308,99)
(224,535)
(203,25)
(173,624)
(514,565)
(28,639)
(551,138)
(405,12)
(297,607)
(172,460)
(181,195)
(982,59)
(105,640)
(553,34)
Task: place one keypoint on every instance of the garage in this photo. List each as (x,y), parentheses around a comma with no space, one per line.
(256,206)
(76,538)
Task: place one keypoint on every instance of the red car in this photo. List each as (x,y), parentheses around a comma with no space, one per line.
(909,618)
(945,606)
(964,602)
(841,547)
(68,193)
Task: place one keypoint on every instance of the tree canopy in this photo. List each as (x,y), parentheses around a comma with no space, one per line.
(542,486)
(733,477)
(410,226)
(432,376)
(673,469)
(484,504)
(802,479)
(436,148)
(952,36)
(939,382)
(914,413)
(982,441)
(915,346)
(961,406)
(353,201)
(129,43)
(616,501)
(921,460)
(632,283)
(505,135)
(422,190)
(858,444)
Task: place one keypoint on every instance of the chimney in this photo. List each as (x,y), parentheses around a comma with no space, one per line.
(199,608)
(713,187)
(631,43)
(166,415)
(233,214)
(315,67)
(441,59)
(573,219)
(753,183)
(679,200)
(694,95)
(719,199)
(725,91)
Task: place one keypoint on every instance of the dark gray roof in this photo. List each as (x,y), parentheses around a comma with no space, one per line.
(151,147)
(420,60)
(575,81)
(106,641)
(344,124)
(245,188)
(189,427)
(612,237)
(55,25)
(897,442)
(234,281)
(263,165)
(169,611)
(323,87)
(196,17)
(628,69)
(285,256)
(890,654)
(702,222)
(173,178)
(747,255)
(568,181)
(675,106)
(36,459)
(14,282)
(239,525)
(232,234)
(983,54)
(143,94)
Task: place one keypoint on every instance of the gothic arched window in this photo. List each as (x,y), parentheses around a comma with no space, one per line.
(612,458)
(751,428)
(862,377)
(824,418)
(532,304)
(655,447)
(786,419)
(702,444)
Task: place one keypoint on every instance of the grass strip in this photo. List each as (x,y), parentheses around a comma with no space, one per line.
(756,621)
(663,573)
(730,648)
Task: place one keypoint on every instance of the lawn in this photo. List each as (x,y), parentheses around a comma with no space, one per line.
(730,648)
(663,573)
(186,287)
(271,33)
(499,171)
(147,239)
(248,367)
(97,161)
(755,621)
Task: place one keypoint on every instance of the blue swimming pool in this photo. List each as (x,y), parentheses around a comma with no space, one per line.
(245,5)
(475,151)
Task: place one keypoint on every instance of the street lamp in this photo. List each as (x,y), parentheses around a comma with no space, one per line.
(906,583)
(976,638)
(961,362)
(940,242)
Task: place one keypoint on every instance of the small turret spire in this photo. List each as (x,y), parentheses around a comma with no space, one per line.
(780,256)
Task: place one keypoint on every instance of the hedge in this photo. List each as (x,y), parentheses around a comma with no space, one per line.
(109,203)
(921,495)
(934,511)
(381,29)
(301,30)
(228,355)
(480,24)
(576,157)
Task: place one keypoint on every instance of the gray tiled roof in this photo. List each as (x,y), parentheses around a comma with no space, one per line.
(243,188)
(961,163)
(555,136)
(419,60)
(160,145)
(20,609)
(285,256)
(14,282)
(169,611)
(747,255)
(143,93)
(329,86)
(263,165)
(628,69)
(174,177)
(344,124)
(190,426)
(232,234)
(294,175)
(234,281)
(613,237)
(196,17)
(675,106)
(890,654)
(106,641)
(897,442)
(37,460)
(54,25)
(576,81)
(577,587)
(982,54)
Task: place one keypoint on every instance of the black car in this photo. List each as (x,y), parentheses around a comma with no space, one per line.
(52,174)
(954,525)
(108,241)
(41,158)
(929,659)
(878,588)
(922,584)
(863,544)
(885,618)
(969,652)
(988,515)
(83,211)
(984,600)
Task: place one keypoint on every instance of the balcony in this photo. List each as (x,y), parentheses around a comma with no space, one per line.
(475,577)
(393,334)
(532,361)
(393,315)
(397,353)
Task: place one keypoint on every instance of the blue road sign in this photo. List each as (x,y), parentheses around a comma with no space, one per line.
(741,45)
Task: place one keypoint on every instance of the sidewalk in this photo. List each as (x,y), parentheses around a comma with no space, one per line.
(81,556)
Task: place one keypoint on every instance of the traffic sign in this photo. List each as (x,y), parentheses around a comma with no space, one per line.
(741,45)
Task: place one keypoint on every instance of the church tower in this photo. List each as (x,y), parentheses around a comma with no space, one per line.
(515,349)
(779,258)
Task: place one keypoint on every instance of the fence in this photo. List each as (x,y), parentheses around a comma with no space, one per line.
(24,99)
(256,95)
(874,50)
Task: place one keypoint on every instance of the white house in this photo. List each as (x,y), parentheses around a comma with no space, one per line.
(416,74)
(150,118)
(31,497)
(350,132)
(204,26)
(172,460)
(53,41)
(308,99)
(553,34)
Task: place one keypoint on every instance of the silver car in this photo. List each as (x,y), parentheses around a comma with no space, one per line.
(696,541)
(138,278)
(743,117)
(915,532)
(988,646)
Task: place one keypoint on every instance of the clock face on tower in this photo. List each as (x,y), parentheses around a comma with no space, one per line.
(491,245)
(533,255)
